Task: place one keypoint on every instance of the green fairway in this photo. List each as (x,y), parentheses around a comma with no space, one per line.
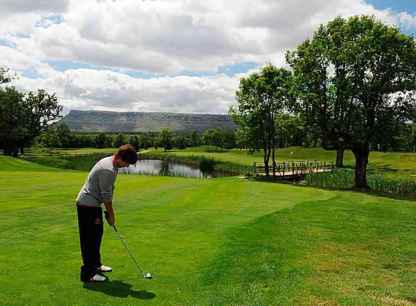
(224,241)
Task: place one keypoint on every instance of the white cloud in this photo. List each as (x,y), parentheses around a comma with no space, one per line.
(162,37)
(24,6)
(168,37)
(107,90)
(19,17)
(406,20)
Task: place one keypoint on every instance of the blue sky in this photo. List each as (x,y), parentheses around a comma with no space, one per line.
(396,5)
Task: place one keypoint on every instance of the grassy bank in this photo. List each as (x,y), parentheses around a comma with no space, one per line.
(208,242)
(391,173)
(390,164)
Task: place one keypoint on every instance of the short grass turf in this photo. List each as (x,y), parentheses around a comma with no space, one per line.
(221,241)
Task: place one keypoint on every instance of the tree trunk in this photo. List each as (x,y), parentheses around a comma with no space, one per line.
(274,162)
(361,154)
(22,150)
(274,155)
(266,159)
(340,157)
(266,166)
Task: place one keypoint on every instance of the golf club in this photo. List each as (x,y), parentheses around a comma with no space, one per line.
(145,275)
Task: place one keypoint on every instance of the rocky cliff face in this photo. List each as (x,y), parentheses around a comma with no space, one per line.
(100,121)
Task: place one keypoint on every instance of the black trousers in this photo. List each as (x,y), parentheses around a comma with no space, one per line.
(90,221)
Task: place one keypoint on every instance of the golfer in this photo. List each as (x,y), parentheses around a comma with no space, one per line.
(97,190)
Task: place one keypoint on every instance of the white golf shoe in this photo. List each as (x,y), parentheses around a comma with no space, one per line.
(98,278)
(105,269)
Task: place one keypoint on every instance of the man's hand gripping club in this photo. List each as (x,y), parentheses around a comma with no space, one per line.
(109,213)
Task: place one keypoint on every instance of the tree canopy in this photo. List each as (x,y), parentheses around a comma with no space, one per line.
(261,97)
(354,77)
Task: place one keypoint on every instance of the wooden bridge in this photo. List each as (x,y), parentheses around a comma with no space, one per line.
(293,170)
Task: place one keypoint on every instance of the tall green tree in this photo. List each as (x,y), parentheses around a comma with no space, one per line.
(145,141)
(66,138)
(180,142)
(166,139)
(41,109)
(320,75)
(24,116)
(13,128)
(354,77)
(119,140)
(213,137)
(248,135)
(290,130)
(228,139)
(261,97)
(134,141)
(50,139)
(103,141)
(195,139)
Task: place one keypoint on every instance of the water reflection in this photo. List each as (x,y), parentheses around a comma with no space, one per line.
(164,168)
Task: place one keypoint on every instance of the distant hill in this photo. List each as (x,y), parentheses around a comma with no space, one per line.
(103,121)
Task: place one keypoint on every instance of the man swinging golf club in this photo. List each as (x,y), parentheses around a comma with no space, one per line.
(97,190)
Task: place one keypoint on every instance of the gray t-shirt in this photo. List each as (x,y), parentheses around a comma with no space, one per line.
(99,185)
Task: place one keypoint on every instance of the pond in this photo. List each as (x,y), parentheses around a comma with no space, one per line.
(167,168)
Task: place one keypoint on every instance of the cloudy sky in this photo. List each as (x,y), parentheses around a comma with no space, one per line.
(162,55)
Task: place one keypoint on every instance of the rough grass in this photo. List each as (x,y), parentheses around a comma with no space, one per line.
(208,242)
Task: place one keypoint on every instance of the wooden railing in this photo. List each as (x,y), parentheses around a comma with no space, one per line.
(294,168)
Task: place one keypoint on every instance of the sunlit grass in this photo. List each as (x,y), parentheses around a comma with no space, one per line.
(221,241)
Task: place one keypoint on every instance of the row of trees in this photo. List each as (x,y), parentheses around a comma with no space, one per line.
(60,136)
(352,84)
(290,131)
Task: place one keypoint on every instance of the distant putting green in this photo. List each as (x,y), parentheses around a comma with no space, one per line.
(224,241)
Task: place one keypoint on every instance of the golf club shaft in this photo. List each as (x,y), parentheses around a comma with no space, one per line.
(128,251)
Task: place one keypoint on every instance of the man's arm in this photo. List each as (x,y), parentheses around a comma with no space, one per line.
(106,181)
(111,219)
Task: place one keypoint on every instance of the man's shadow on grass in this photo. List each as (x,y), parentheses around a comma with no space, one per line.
(119,289)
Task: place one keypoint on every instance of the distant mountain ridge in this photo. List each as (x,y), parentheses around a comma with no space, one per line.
(105,121)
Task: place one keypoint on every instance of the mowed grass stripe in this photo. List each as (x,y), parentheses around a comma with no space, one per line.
(329,252)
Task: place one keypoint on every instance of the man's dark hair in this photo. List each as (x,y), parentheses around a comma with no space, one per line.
(127,153)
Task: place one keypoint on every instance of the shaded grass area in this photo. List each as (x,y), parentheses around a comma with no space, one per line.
(8,163)
(76,158)
(207,242)
(66,160)
(69,151)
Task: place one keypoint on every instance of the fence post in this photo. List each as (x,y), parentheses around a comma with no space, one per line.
(254,169)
